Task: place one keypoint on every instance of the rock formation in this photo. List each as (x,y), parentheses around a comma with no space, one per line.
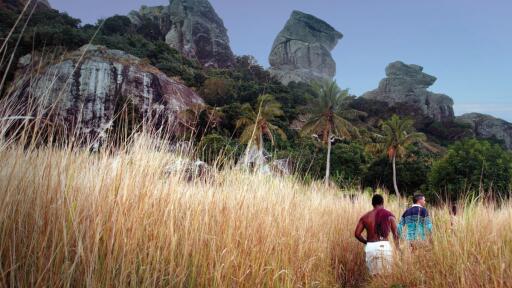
(406,86)
(158,18)
(302,50)
(193,28)
(199,33)
(85,89)
(488,127)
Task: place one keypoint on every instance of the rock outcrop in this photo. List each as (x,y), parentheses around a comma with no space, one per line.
(85,89)
(488,127)
(157,19)
(302,50)
(191,27)
(406,86)
(199,33)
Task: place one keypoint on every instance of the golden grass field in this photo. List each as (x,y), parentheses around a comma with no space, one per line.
(71,218)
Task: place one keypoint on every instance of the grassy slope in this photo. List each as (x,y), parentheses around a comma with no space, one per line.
(71,218)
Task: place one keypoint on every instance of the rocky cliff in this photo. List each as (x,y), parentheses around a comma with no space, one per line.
(156,18)
(193,28)
(488,127)
(302,50)
(406,86)
(87,87)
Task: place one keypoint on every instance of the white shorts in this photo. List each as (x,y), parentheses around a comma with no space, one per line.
(379,257)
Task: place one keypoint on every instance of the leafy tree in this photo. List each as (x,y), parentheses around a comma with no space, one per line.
(397,135)
(329,111)
(217,149)
(217,91)
(257,124)
(471,165)
(45,30)
(116,25)
(348,163)
(413,171)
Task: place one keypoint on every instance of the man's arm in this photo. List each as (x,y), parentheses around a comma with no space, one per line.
(359,231)
(428,222)
(394,230)
(401,226)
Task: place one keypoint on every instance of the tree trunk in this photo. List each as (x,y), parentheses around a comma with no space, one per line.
(328,162)
(261,157)
(394,177)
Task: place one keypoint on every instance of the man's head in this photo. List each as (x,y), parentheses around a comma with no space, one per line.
(377,200)
(419,199)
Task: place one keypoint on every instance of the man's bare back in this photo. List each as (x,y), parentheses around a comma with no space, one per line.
(368,222)
(378,223)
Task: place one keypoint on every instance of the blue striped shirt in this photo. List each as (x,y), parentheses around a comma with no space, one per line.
(417,223)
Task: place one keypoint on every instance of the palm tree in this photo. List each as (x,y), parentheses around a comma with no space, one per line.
(328,114)
(397,134)
(257,124)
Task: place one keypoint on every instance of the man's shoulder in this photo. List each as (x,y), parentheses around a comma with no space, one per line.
(415,210)
(365,216)
(386,212)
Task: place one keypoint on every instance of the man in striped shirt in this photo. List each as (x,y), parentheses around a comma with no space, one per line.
(416,221)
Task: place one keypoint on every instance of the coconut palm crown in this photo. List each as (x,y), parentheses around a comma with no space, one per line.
(397,135)
(257,124)
(329,113)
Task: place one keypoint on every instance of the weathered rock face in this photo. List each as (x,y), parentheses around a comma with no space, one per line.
(157,18)
(302,50)
(199,33)
(488,127)
(406,86)
(191,27)
(84,92)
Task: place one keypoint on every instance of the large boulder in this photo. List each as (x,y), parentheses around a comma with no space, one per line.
(199,33)
(85,89)
(488,127)
(405,86)
(191,27)
(153,20)
(302,50)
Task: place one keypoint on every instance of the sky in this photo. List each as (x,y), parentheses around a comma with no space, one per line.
(466,44)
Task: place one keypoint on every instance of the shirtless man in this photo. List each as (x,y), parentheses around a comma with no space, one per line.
(378,223)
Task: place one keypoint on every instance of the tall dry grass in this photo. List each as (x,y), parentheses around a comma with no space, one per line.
(70,218)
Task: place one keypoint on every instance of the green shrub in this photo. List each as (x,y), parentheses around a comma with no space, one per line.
(471,166)
(215,148)
(348,163)
(412,173)
(117,25)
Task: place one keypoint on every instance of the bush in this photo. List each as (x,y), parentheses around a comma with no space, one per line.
(218,149)
(411,173)
(217,91)
(116,25)
(348,163)
(471,166)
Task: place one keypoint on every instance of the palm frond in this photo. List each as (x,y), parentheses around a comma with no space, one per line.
(249,134)
(314,125)
(244,121)
(278,131)
(344,128)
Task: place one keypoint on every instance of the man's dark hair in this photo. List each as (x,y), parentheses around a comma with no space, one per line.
(377,200)
(417,197)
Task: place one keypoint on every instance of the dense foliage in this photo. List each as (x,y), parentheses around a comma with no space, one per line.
(228,91)
(469,166)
